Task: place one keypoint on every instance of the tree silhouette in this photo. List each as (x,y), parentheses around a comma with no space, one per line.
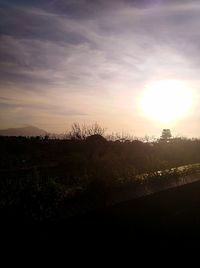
(81,132)
(166,135)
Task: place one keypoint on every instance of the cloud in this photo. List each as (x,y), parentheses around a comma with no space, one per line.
(92,53)
(36,40)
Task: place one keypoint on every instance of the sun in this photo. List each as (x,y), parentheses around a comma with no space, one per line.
(166,101)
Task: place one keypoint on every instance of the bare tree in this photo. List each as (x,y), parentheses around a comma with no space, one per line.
(95,129)
(81,132)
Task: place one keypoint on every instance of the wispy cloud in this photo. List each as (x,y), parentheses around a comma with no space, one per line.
(91,54)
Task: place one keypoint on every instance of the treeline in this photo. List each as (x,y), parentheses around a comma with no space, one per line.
(78,154)
(39,175)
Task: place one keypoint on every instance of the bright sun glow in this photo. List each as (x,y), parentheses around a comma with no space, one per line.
(166,100)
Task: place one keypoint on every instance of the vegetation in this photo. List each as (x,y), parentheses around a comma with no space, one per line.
(42,177)
(166,134)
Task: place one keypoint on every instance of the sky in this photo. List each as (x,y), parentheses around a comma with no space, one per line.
(89,61)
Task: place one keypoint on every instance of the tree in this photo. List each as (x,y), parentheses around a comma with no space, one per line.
(81,132)
(166,135)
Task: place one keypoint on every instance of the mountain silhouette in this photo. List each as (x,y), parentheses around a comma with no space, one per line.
(23,131)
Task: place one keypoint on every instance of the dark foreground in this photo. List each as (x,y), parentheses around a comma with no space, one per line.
(168,218)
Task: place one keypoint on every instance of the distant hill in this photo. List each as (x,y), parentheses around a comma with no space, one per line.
(23,131)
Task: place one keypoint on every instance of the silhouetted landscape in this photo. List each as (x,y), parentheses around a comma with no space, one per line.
(84,177)
(99,126)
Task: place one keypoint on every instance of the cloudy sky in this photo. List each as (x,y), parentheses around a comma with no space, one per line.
(65,61)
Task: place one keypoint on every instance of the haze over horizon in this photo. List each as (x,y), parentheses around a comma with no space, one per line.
(91,61)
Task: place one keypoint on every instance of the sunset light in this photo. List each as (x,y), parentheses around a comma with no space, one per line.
(100,128)
(166,101)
